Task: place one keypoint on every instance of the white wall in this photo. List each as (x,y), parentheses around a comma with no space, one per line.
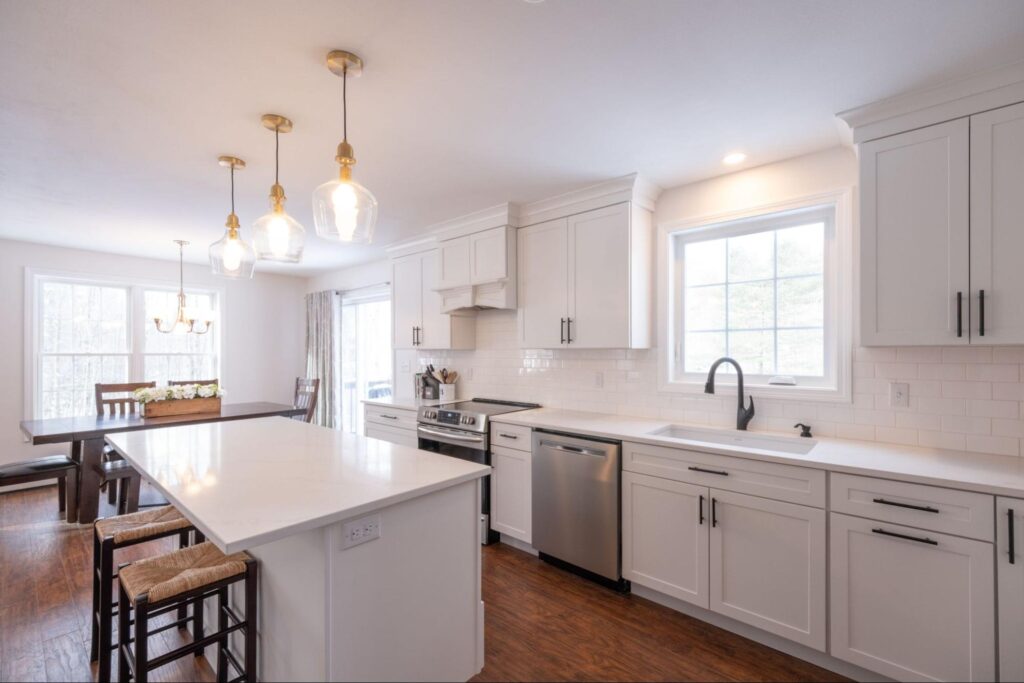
(363,275)
(961,398)
(263,328)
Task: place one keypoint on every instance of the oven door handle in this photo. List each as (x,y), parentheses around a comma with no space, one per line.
(449,435)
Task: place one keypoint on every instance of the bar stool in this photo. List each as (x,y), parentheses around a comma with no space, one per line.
(113,533)
(157,585)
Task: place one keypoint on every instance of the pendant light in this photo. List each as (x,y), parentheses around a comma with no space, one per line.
(230,257)
(343,209)
(185,319)
(276,236)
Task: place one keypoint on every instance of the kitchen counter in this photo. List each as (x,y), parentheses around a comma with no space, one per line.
(407,402)
(994,474)
(342,526)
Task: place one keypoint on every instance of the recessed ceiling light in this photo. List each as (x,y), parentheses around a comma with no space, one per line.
(734,158)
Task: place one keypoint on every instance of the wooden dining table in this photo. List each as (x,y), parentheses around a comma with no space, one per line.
(86,433)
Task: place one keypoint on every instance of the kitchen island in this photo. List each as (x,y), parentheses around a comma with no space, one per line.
(369,551)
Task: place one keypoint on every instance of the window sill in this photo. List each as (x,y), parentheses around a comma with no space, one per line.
(790,393)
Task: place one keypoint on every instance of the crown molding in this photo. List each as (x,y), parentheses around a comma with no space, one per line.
(976,93)
(485,219)
(411,246)
(627,188)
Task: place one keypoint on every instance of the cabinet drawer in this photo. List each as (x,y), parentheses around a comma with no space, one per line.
(402,437)
(511,436)
(787,483)
(926,507)
(394,417)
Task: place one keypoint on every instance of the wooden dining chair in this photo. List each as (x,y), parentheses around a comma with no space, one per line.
(116,400)
(179,382)
(306,393)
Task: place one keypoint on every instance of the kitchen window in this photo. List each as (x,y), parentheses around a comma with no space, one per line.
(765,290)
(86,331)
(365,351)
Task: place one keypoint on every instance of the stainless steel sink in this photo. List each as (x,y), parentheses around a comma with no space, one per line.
(736,438)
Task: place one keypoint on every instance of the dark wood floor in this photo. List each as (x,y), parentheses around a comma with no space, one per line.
(542,623)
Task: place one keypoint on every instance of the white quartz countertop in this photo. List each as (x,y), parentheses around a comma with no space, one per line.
(250,482)
(407,402)
(995,474)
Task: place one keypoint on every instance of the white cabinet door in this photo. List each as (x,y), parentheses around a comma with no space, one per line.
(488,256)
(511,484)
(406,300)
(918,608)
(768,565)
(915,237)
(665,536)
(997,225)
(454,259)
(599,286)
(543,283)
(1010,580)
(436,327)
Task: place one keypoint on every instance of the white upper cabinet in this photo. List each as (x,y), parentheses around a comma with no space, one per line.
(478,270)
(416,307)
(585,280)
(941,233)
(454,263)
(997,226)
(915,237)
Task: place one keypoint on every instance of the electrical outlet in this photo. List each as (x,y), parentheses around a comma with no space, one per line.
(598,379)
(360,531)
(899,395)
(404,367)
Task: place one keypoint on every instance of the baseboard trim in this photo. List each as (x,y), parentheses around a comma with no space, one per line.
(771,640)
(519,545)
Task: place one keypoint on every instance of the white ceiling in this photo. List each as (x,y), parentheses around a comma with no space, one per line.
(113,113)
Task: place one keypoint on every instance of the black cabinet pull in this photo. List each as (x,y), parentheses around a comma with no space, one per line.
(981,313)
(507,436)
(700,510)
(568,330)
(701,469)
(922,508)
(714,512)
(388,417)
(904,536)
(561,330)
(959,314)
(1009,525)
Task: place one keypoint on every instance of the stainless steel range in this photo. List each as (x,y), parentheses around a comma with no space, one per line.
(462,430)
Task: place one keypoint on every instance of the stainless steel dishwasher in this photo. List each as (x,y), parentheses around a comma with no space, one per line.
(576,504)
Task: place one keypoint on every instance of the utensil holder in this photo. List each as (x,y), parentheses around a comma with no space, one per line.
(447,392)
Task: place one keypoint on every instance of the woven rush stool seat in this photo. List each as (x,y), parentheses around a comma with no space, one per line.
(167,576)
(122,531)
(157,585)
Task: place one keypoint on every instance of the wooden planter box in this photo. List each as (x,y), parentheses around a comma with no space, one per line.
(181,406)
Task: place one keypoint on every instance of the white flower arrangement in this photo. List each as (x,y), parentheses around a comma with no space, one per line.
(177,392)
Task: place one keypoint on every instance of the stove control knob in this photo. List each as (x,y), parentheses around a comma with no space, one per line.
(430,414)
(467,420)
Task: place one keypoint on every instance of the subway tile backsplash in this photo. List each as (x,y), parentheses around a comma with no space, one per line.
(961,398)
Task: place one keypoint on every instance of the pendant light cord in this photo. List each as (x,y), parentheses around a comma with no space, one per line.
(277,152)
(232,188)
(344,104)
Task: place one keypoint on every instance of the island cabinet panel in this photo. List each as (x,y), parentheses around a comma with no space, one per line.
(511,493)
(768,566)
(665,537)
(912,604)
(1010,580)
(788,483)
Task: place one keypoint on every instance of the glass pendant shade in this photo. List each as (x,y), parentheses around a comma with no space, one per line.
(344,210)
(230,257)
(276,236)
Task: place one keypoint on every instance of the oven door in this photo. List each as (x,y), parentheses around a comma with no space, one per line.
(465,446)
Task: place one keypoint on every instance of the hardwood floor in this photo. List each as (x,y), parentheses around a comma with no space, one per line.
(542,623)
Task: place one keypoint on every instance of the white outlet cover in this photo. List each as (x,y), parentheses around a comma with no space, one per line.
(360,530)
(598,379)
(899,395)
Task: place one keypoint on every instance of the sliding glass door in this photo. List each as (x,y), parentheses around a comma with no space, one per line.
(365,352)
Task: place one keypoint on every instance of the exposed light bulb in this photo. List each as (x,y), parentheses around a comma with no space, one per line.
(346,210)
(277,235)
(232,255)
(734,158)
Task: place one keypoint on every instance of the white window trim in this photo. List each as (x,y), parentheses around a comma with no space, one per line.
(841,306)
(33,277)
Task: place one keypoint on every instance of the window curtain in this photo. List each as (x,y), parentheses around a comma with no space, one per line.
(323,326)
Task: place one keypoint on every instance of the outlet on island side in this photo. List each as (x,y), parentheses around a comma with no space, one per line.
(360,531)
(899,395)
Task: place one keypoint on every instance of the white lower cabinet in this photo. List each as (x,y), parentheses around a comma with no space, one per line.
(912,604)
(511,486)
(1010,580)
(768,565)
(758,561)
(664,536)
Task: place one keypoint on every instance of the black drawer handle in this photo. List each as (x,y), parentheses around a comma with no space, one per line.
(701,469)
(904,536)
(390,417)
(922,508)
(507,436)
(981,313)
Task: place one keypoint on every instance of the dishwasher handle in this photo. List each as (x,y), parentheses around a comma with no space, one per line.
(576,450)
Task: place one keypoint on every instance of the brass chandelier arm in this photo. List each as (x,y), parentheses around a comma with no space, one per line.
(180,317)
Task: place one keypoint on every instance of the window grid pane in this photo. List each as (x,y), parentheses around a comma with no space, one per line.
(773,317)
